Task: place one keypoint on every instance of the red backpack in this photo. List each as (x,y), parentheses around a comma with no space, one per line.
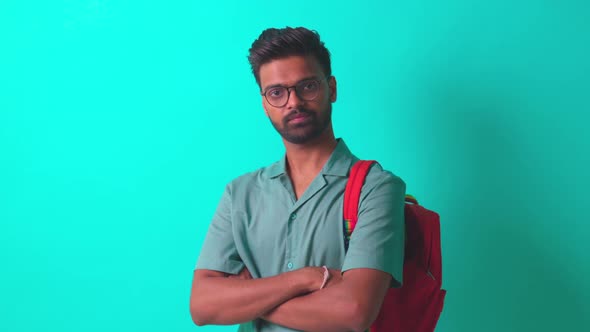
(417,305)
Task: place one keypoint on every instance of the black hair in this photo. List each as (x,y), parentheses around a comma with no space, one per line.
(275,44)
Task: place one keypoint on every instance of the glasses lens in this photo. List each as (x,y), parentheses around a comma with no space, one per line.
(308,90)
(277,96)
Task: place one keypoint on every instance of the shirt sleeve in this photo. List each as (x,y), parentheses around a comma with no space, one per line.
(219,251)
(377,241)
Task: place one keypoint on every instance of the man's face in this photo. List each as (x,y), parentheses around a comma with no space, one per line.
(298,121)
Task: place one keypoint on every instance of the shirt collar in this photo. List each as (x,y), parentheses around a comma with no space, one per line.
(278,168)
(338,164)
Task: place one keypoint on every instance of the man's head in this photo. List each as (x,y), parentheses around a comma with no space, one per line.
(292,69)
(275,44)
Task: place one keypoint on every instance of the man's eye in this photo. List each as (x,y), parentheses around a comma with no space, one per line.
(310,86)
(275,93)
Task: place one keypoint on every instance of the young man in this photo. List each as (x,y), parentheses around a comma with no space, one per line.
(261,265)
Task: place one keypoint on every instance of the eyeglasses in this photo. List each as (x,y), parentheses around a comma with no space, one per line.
(307,90)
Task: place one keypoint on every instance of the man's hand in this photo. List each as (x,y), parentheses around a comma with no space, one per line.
(335,278)
(244,275)
(316,276)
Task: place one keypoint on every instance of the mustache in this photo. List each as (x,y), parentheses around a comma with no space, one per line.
(297,112)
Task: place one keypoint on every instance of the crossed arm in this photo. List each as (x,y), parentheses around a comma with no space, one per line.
(350,302)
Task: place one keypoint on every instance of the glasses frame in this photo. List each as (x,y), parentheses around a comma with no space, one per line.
(318,80)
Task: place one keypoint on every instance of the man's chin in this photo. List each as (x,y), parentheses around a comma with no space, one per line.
(300,138)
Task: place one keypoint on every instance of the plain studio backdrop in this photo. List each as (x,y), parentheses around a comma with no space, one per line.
(122,121)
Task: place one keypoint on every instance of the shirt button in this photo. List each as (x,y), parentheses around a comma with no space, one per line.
(293,216)
(290,266)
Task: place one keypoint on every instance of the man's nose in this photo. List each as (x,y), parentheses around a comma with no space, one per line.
(294,100)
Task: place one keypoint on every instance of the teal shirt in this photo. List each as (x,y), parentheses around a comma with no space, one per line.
(259,224)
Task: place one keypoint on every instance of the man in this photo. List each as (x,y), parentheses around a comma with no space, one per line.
(261,265)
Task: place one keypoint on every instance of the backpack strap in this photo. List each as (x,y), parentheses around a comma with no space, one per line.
(352,195)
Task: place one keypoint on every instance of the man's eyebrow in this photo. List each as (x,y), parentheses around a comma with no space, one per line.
(314,77)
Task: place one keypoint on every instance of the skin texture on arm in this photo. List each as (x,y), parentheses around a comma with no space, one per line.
(222,299)
(350,303)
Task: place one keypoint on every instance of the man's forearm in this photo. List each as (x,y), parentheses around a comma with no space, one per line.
(327,310)
(225,301)
(349,304)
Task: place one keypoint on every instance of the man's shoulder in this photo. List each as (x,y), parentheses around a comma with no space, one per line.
(380,180)
(255,178)
(377,174)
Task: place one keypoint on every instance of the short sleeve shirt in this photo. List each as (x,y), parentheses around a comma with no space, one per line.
(259,224)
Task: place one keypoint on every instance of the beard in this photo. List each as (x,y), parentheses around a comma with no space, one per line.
(301,133)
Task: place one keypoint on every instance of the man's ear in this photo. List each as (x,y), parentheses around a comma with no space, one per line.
(264,108)
(333,89)
(262,100)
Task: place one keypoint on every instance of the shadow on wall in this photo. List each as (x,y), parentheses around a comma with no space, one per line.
(507,264)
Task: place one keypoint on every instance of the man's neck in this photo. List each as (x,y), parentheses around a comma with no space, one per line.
(307,160)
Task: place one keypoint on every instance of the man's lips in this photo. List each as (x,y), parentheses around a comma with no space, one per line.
(298,118)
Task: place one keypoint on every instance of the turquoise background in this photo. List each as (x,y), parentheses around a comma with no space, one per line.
(121,122)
